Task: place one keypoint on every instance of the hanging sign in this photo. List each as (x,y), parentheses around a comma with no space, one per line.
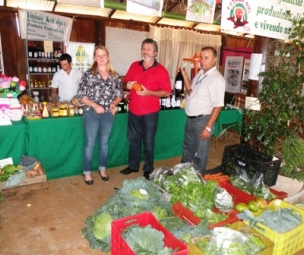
(265,18)
(36,25)
(201,11)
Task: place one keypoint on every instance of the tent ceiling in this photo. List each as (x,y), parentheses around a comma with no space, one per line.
(174,11)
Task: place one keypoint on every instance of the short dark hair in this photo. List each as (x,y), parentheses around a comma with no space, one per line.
(214,52)
(150,41)
(65,56)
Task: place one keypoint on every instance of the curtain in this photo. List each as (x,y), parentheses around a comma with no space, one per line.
(176,44)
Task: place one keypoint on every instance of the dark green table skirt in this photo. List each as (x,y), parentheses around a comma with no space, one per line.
(12,141)
(58,142)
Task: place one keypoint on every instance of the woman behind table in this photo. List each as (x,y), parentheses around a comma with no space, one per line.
(100,91)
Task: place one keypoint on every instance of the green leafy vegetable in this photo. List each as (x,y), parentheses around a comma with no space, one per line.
(146,240)
(102,225)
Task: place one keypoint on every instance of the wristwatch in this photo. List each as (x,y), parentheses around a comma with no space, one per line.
(208,128)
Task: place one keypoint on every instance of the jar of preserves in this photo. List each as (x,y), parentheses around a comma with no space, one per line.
(80,109)
(63,110)
(71,110)
(55,112)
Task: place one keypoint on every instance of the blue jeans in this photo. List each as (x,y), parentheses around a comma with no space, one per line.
(142,130)
(196,150)
(96,127)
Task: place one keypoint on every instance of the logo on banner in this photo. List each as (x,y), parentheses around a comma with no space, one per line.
(239,13)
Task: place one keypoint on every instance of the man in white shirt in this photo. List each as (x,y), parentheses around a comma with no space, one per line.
(204,101)
(65,81)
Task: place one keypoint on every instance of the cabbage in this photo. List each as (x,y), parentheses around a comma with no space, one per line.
(159,212)
(139,193)
(7,171)
(102,225)
(146,240)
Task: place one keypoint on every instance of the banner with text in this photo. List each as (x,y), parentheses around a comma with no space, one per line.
(36,25)
(265,18)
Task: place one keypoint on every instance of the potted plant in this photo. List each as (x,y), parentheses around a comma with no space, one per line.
(281,117)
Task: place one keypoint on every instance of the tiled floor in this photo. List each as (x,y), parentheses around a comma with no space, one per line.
(49,221)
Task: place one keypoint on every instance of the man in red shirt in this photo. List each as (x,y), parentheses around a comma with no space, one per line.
(144,106)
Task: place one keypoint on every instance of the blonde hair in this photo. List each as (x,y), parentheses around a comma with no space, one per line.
(110,68)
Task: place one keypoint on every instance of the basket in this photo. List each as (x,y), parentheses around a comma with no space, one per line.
(239,196)
(185,214)
(243,157)
(239,226)
(287,243)
(120,247)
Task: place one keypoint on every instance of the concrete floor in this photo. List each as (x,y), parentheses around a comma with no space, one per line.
(50,221)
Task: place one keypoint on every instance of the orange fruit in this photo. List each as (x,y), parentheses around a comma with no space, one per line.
(136,86)
(262,203)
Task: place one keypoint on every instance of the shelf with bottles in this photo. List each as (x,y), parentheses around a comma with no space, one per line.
(40,81)
(43,66)
(35,50)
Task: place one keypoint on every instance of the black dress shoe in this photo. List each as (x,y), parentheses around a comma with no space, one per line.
(128,170)
(104,178)
(147,175)
(89,182)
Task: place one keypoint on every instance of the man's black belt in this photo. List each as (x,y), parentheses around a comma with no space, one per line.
(194,117)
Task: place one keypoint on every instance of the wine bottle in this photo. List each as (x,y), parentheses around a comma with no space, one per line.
(30,51)
(179,84)
(35,52)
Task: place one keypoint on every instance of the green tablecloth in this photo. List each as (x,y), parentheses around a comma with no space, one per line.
(58,142)
(229,118)
(12,141)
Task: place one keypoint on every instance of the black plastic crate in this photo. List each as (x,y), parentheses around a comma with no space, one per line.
(242,156)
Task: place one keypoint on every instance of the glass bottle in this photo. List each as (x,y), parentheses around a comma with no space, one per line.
(71,110)
(45,112)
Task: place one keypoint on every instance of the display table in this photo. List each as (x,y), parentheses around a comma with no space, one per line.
(12,141)
(229,118)
(58,142)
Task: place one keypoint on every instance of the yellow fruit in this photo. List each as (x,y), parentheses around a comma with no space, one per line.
(241,207)
(253,205)
(262,203)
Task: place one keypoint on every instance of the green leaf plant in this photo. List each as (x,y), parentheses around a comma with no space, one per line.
(281,97)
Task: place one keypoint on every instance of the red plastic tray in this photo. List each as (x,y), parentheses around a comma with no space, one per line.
(185,214)
(240,196)
(120,247)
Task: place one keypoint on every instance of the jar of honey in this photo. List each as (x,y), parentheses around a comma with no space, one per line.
(80,109)
(63,110)
(55,112)
(71,110)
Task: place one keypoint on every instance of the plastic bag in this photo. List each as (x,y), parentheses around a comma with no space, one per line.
(223,200)
(258,188)
(15,179)
(240,179)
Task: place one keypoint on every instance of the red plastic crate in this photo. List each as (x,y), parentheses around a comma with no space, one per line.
(240,196)
(185,214)
(120,247)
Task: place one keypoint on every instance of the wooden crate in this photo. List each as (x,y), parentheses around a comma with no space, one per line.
(25,186)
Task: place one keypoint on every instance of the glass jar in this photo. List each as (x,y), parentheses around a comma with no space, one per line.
(63,110)
(71,110)
(55,112)
(80,109)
